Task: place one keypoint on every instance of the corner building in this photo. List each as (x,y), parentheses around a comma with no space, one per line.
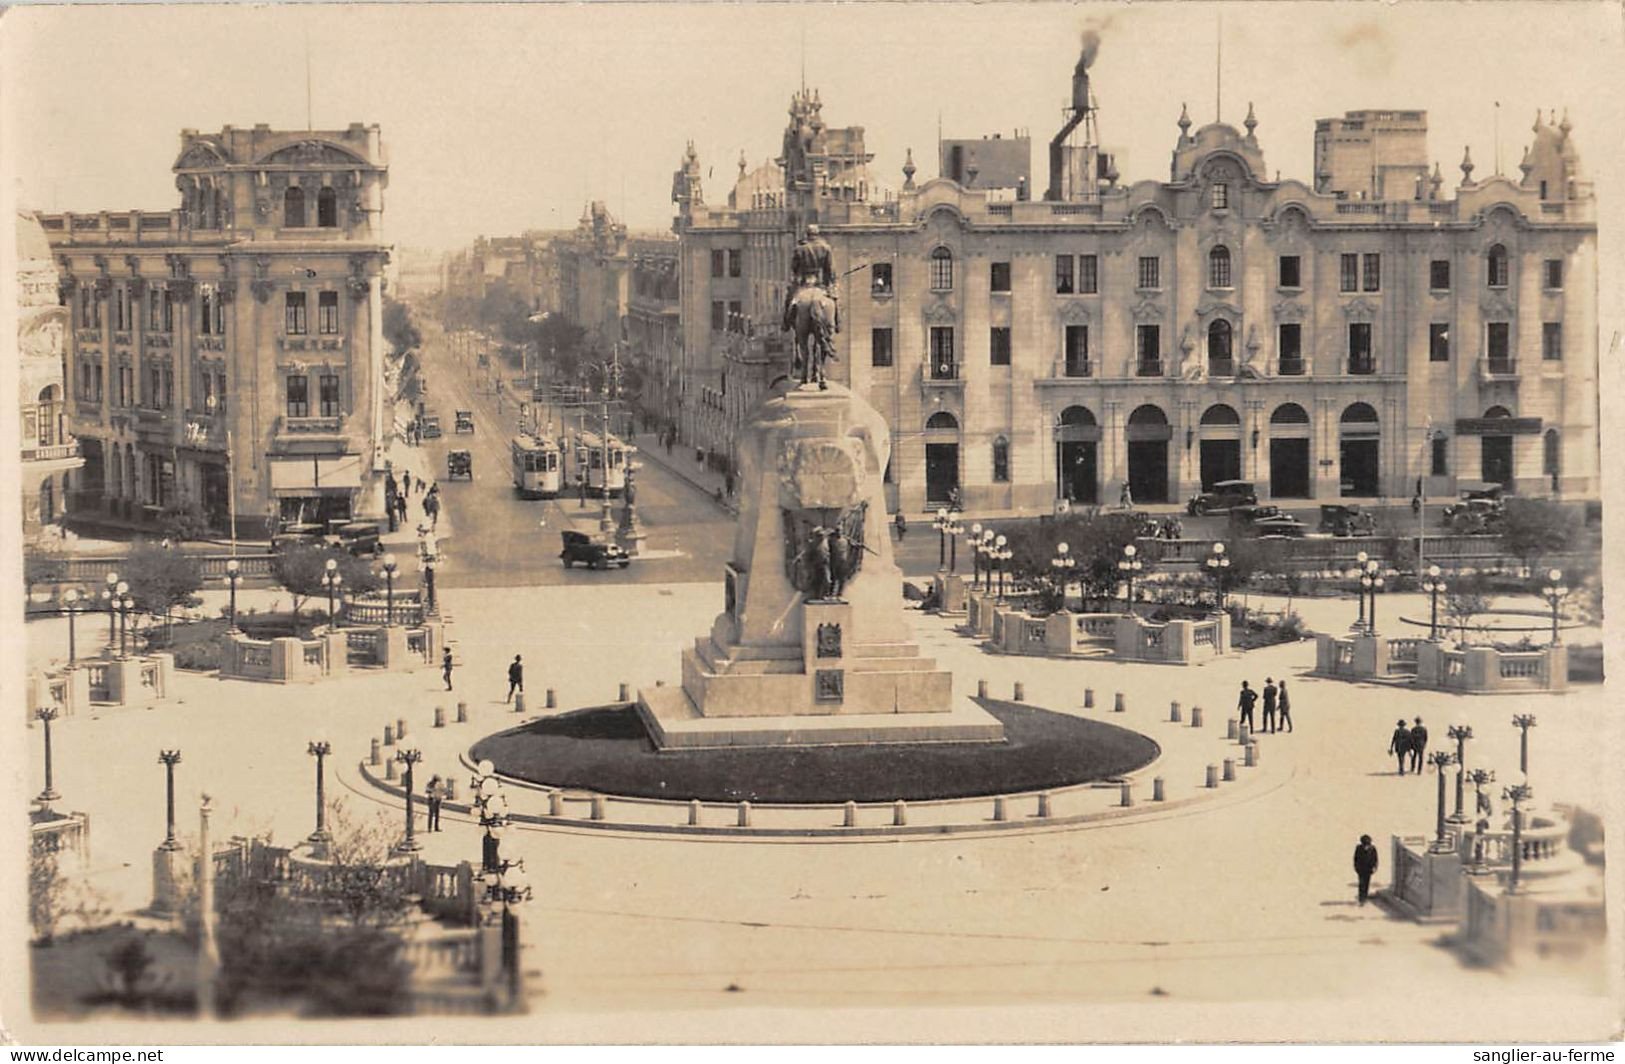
(230,350)
(1165,335)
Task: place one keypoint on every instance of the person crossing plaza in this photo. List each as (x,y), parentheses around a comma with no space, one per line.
(1418,746)
(1245,702)
(516,678)
(1400,744)
(1283,706)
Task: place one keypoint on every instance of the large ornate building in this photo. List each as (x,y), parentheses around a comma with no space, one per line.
(229,353)
(1356,336)
(50,454)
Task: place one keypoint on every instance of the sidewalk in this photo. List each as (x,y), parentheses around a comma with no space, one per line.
(681,464)
(404,457)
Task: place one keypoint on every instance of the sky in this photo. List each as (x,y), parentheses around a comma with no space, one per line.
(501,118)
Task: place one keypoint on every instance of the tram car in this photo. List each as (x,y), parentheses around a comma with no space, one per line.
(538,467)
(587,463)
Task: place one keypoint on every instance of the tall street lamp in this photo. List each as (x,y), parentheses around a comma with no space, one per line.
(975,544)
(125,605)
(233,574)
(70,606)
(1063,563)
(1357,574)
(1001,555)
(428,584)
(169,759)
(1517,794)
(408,754)
(491,806)
(1460,733)
(1371,582)
(45,715)
(1554,592)
(985,548)
(1523,721)
(1129,565)
(334,580)
(1441,760)
(112,612)
(1480,778)
(319,839)
(1218,567)
(941,525)
(390,565)
(1434,586)
(954,528)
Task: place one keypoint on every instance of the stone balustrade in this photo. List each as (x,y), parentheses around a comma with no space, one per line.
(1122,636)
(285,659)
(136,680)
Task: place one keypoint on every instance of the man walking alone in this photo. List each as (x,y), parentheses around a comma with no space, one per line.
(1365,864)
(516,679)
(1284,705)
(445,667)
(1419,746)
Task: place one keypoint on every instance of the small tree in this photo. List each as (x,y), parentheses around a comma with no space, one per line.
(301,567)
(184,521)
(362,887)
(162,578)
(42,564)
(1536,528)
(399,327)
(1467,597)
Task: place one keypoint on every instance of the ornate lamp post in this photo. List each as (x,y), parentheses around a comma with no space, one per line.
(1218,565)
(507,883)
(1460,733)
(1062,564)
(45,715)
(954,528)
(1440,760)
(941,525)
(1524,721)
(1516,794)
(492,806)
(408,754)
(390,565)
(986,550)
(1434,586)
(1480,777)
(233,574)
(1001,554)
(1554,592)
(112,612)
(1357,574)
(70,606)
(125,605)
(334,580)
(1129,565)
(1371,582)
(319,839)
(975,543)
(428,584)
(169,759)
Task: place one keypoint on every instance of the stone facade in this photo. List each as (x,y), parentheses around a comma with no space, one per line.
(1162,335)
(233,346)
(50,454)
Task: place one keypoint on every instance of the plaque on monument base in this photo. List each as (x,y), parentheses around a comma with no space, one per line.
(811,646)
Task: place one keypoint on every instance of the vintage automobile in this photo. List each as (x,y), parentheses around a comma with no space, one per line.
(459,464)
(1265,521)
(465,421)
(595,552)
(1480,511)
(356,537)
(1141,525)
(430,426)
(297,532)
(1347,519)
(1223,496)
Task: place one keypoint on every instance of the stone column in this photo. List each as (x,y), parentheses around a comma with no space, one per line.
(1116,446)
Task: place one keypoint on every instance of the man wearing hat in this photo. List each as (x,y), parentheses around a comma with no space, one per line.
(1365,864)
(1400,744)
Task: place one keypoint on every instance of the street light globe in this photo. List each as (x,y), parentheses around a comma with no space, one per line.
(976,529)
(1372,566)
(70,596)
(942,513)
(1555,575)
(232,566)
(1361,557)
(987,535)
(112,578)
(122,588)
(1061,548)
(1218,548)
(389,561)
(1433,571)
(1130,550)
(486,767)
(1000,542)
(331,564)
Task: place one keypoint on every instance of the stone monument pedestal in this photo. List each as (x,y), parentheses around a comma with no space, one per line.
(811,646)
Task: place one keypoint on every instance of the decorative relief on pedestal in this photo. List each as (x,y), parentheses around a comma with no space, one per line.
(820,474)
(263,289)
(829,640)
(829,685)
(820,555)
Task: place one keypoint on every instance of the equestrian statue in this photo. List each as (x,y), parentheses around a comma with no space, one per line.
(811,313)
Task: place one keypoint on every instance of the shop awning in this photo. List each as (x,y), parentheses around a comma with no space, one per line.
(315,473)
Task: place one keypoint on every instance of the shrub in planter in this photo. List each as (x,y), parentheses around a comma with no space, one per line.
(200,656)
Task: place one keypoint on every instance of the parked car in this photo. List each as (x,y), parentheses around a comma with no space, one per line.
(595,552)
(1141,524)
(465,421)
(459,464)
(357,537)
(1265,521)
(1224,495)
(1347,519)
(431,426)
(297,532)
(1481,509)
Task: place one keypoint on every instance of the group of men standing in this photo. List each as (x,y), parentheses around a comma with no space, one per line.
(1277,707)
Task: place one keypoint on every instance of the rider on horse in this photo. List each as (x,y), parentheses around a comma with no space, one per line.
(812,271)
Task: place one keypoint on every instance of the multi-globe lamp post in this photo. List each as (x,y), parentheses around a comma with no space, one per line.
(954,529)
(1517,794)
(1129,565)
(1479,778)
(1371,582)
(390,565)
(1062,565)
(45,715)
(1523,722)
(975,545)
(491,805)
(333,580)
(169,759)
(1001,554)
(70,606)
(1218,567)
(1357,574)
(109,596)
(1554,593)
(233,575)
(125,605)
(321,837)
(941,524)
(1434,586)
(408,753)
(1459,733)
(1441,760)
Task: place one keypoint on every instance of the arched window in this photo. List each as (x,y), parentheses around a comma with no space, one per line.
(327,209)
(1495,263)
(1218,267)
(1359,414)
(1289,414)
(1219,362)
(942,420)
(1220,414)
(1001,460)
(1077,415)
(942,270)
(1553,464)
(293,208)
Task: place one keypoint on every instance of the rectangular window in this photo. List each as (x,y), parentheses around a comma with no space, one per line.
(330,395)
(880,349)
(327,313)
(735,262)
(736,316)
(121,308)
(168,400)
(1440,466)
(880,279)
(1438,342)
(154,301)
(1088,275)
(1291,275)
(1439,275)
(169,312)
(155,388)
(999,276)
(298,395)
(219,390)
(1554,274)
(206,317)
(1348,276)
(294,323)
(1373,272)
(942,270)
(1150,272)
(1551,341)
(1063,275)
(1360,360)
(1148,350)
(1220,196)
(1289,348)
(1001,461)
(96,379)
(1498,344)
(203,391)
(999,345)
(719,262)
(219,315)
(1077,351)
(719,315)
(943,367)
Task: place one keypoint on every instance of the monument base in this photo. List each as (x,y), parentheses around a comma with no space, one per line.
(674,722)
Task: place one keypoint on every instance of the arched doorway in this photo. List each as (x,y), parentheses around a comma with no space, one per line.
(1220,362)
(941,458)
(1359,436)
(1289,452)
(1148,436)
(1220,445)
(1495,465)
(1077,443)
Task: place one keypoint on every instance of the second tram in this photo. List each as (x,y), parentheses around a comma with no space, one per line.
(538,467)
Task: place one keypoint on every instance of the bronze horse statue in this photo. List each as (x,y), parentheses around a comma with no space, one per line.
(812,320)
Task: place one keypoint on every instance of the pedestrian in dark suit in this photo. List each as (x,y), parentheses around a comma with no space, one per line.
(516,679)
(406,480)
(437,794)
(1365,864)
(445,667)
(1269,705)
(1245,702)
(1419,746)
(1284,706)
(1400,745)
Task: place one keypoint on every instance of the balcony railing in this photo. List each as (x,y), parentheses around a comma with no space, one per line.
(944,371)
(1076,367)
(1290,367)
(1148,367)
(1221,367)
(53,453)
(1499,367)
(1361,366)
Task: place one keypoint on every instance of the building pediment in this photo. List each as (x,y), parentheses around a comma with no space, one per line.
(313,153)
(1496,305)
(1074,312)
(940,312)
(1290,310)
(1359,310)
(200,156)
(1218,307)
(1148,309)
